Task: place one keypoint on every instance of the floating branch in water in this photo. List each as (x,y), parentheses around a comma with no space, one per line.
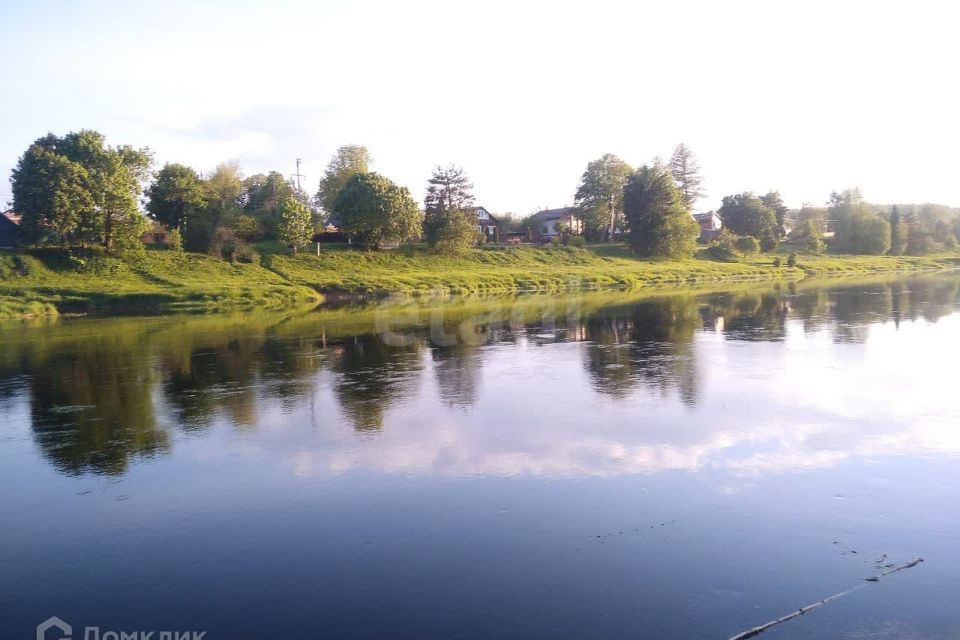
(755,631)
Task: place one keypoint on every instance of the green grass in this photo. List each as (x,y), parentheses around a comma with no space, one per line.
(88,281)
(44,282)
(490,271)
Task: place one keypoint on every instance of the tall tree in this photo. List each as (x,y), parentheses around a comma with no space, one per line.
(115,177)
(658,222)
(375,210)
(175,196)
(816,214)
(599,198)
(746,214)
(112,178)
(686,173)
(774,202)
(860,229)
(223,188)
(296,224)
(448,189)
(51,192)
(898,232)
(265,192)
(449,195)
(348,161)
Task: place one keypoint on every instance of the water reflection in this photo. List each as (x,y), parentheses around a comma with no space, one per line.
(524,376)
(647,343)
(372,374)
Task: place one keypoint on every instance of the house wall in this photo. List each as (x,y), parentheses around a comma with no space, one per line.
(9,235)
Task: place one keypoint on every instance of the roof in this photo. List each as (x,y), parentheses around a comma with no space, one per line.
(474,210)
(11,216)
(553,214)
(704,216)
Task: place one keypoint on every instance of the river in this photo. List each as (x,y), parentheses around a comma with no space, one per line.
(673,464)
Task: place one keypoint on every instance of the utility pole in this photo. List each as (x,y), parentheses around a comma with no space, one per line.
(297,175)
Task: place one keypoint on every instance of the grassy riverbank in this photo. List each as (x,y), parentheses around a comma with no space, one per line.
(46,282)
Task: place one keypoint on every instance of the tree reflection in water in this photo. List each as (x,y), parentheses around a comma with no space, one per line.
(104,394)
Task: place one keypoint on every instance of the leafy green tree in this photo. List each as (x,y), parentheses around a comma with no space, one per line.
(686,173)
(599,198)
(111,177)
(175,196)
(658,223)
(774,202)
(898,232)
(860,229)
(51,192)
(449,195)
(223,190)
(296,223)
(455,232)
(125,169)
(265,192)
(115,176)
(375,210)
(347,162)
(247,227)
(929,226)
(811,236)
(746,214)
(818,215)
(209,230)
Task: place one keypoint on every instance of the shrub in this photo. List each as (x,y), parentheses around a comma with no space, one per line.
(728,247)
(792,260)
(577,241)
(224,243)
(777,262)
(453,232)
(243,252)
(175,239)
(248,228)
(747,245)
(950,243)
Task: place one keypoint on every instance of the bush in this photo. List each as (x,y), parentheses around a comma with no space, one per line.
(728,247)
(777,262)
(248,228)
(792,260)
(243,252)
(950,243)
(225,244)
(747,245)
(577,241)
(453,232)
(175,239)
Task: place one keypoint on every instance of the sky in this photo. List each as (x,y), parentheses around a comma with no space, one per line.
(801,97)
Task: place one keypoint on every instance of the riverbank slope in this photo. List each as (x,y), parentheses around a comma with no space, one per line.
(47,282)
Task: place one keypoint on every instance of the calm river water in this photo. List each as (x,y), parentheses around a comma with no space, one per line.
(605,465)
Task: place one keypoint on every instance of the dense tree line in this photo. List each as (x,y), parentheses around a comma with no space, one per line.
(75,190)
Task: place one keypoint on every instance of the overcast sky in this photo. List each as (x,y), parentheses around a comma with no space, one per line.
(805,97)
